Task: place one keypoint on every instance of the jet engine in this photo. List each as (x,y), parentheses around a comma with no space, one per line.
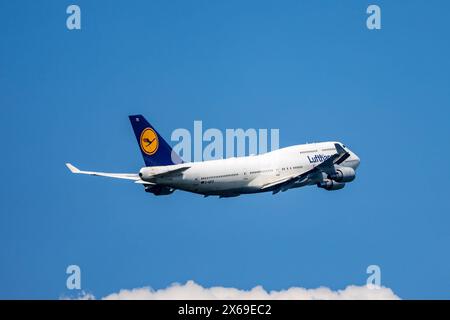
(343,174)
(330,185)
(159,190)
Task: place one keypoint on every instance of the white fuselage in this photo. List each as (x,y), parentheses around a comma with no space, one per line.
(234,176)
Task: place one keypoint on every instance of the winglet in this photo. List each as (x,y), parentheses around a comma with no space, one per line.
(72,168)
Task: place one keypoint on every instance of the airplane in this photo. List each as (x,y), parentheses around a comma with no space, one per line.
(328,165)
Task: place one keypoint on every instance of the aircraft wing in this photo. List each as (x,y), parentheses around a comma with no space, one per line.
(285,183)
(280,182)
(126,176)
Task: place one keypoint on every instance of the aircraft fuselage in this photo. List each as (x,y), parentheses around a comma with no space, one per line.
(234,176)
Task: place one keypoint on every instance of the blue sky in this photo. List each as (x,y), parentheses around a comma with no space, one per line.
(310,68)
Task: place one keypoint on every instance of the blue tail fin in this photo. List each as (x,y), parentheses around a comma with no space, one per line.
(155,150)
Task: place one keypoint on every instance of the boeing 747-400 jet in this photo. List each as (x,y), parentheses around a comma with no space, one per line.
(329,165)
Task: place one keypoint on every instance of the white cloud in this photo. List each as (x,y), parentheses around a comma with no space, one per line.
(194,291)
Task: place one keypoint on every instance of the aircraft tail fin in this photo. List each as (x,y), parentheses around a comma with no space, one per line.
(155,150)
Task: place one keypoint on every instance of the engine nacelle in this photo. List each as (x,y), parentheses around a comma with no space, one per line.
(343,174)
(159,190)
(330,185)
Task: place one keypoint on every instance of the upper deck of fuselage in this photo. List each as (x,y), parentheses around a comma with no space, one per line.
(280,156)
(320,147)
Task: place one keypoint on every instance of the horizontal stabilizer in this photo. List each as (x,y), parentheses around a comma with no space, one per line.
(145,183)
(127,176)
(169,173)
